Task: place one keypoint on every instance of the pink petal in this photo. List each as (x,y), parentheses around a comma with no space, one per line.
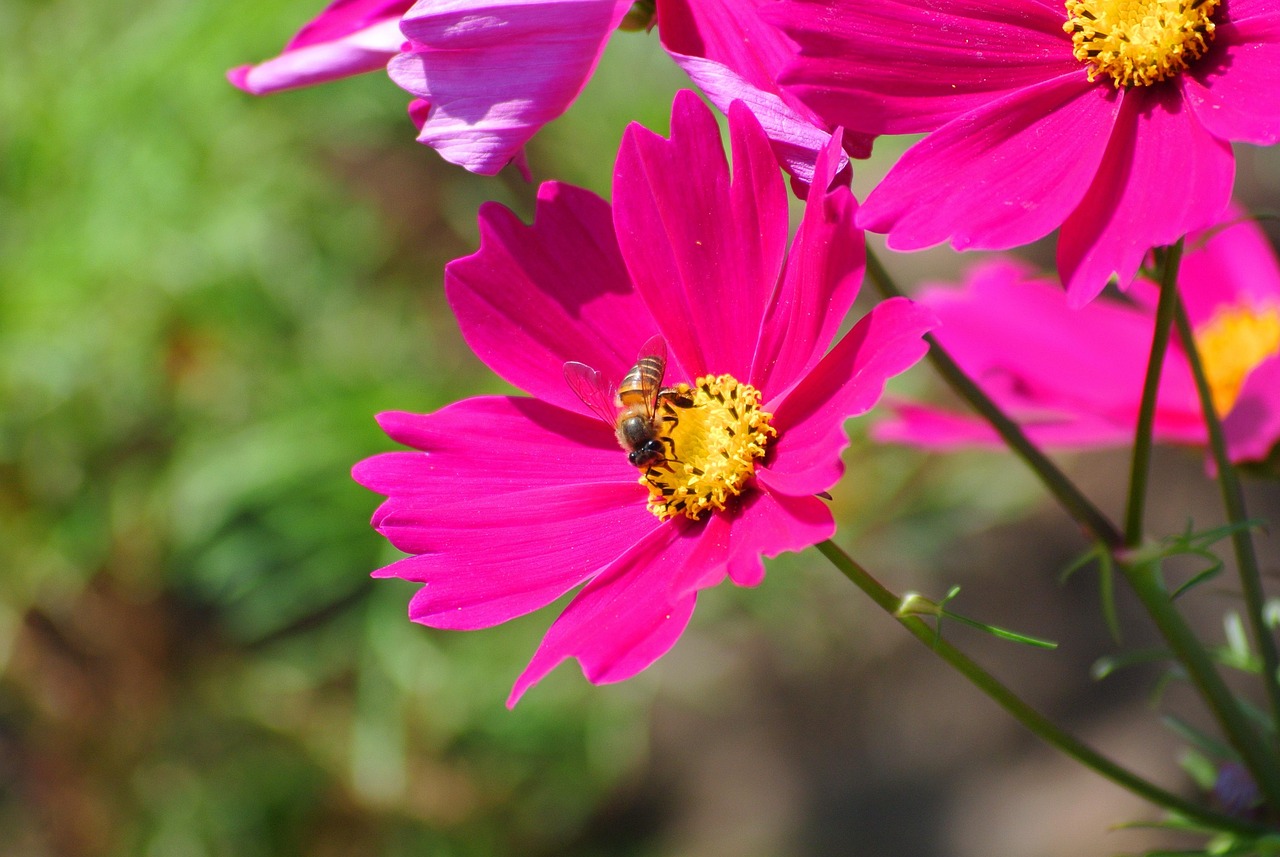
(904,66)
(494,444)
(823,273)
(796,133)
(495,71)
(759,524)
(847,382)
(1235,89)
(1026,160)
(1163,176)
(626,618)
(534,297)
(1017,334)
(732,54)
(1233,266)
(1253,426)
(486,559)
(343,18)
(945,431)
(347,38)
(704,253)
(512,504)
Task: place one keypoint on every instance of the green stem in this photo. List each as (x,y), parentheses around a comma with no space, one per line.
(1145,579)
(1086,514)
(1048,731)
(1237,514)
(1140,467)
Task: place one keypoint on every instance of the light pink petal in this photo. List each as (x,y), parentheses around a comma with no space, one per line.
(732,54)
(626,618)
(343,18)
(704,253)
(905,66)
(1001,176)
(1235,89)
(1163,176)
(847,382)
(1234,266)
(534,297)
(1253,426)
(823,273)
(495,72)
(796,134)
(348,37)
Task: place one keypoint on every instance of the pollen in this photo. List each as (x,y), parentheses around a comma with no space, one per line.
(715,433)
(1139,42)
(1232,344)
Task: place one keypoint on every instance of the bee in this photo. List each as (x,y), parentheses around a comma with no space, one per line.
(631,408)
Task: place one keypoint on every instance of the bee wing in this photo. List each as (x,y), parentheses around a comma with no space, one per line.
(655,351)
(594,391)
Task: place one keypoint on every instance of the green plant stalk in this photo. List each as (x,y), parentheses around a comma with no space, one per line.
(1145,579)
(1237,514)
(1086,514)
(1041,726)
(1140,467)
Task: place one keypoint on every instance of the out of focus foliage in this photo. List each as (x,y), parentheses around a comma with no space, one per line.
(204,298)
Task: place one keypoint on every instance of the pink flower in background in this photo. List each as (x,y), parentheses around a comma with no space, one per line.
(514,501)
(348,37)
(729,51)
(1117,131)
(1073,378)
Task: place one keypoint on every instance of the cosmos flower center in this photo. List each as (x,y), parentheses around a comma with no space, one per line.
(1232,344)
(1139,42)
(715,432)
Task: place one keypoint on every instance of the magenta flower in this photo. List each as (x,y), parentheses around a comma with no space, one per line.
(514,501)
(1112,120)
(348,37)
(1073,378)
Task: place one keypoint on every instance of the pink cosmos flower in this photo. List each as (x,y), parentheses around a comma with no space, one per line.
(348,37)
(1112,120)
(513,501)
(1073,378)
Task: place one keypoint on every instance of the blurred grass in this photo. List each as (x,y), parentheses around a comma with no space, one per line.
(204,298)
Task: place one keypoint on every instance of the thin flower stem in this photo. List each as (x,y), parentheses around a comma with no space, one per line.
(1237,514)
(1086,514)
(1169,259)
(1041,726)
(1145,579)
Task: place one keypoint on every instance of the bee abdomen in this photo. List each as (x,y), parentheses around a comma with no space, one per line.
(645,376)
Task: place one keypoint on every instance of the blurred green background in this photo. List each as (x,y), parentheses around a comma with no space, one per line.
(204,298)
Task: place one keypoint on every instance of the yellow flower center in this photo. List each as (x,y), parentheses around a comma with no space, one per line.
(1232,344)
(714,432)
(1139,42)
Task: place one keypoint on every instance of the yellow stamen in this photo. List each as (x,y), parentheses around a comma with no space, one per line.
(713,444)
(1139,42)
(1232,344)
